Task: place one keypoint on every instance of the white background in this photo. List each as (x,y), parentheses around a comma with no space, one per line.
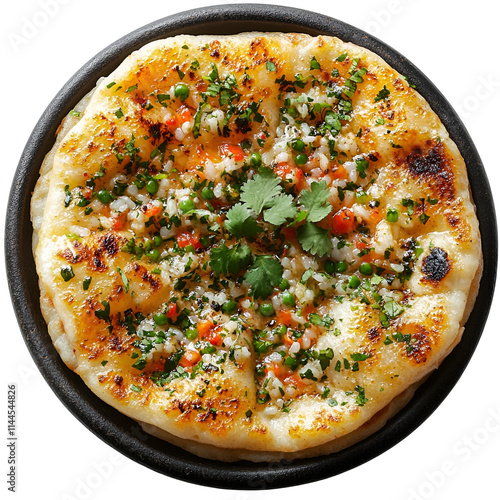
(454,454)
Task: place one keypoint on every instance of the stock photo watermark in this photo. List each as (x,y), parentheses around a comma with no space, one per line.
(485,88)
(463,450)
(382,18)
(32,24)
(11,438)
(86,485)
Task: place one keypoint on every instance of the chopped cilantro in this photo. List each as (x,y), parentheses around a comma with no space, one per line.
(383,94)
(315,64)
(270,66)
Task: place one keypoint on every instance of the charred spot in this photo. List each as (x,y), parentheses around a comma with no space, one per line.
(419,346)
(243,125)
(215,49)
(72,258)
(433,165)
(421,164)
(146,276)
(109,244)
(436,265)
(115,344)
(118,379)
(374,334)
(96,263)
(149,278)
(215,306)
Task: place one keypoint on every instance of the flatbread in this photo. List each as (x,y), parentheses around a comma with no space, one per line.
(255,245)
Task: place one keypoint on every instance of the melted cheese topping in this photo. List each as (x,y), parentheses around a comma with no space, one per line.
(256,241)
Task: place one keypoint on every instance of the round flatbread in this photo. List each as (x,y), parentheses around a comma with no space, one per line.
(255,245)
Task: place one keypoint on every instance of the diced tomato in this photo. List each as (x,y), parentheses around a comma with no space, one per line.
(183,115)
(294,380)
(282,170)
(209,331)
(152,210)
(172,310)
(284,317)
(343,222)
(376,216)
(362,243)
(213,335)
(204,326)
(233,150)
(186,239)
(190,358)
(278,369)
(291,173)
(119,221)
(339,173)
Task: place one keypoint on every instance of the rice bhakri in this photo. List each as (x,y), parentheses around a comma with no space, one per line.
(255,245)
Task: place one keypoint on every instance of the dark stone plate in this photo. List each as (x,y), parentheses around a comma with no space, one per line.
(120,431)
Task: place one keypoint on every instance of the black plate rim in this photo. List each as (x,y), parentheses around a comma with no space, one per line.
(119,431)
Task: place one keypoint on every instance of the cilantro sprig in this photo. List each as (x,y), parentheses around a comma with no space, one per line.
(265,273)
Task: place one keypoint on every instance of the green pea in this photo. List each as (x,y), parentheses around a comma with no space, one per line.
(341,267)
(255,160)
(366,269)
(191,333)
(280,330)
(181,91)
(292,112)
(298,145)
(157,240)
(204,241)
(266,309)
(301,159)
(148,245)
(160,319)
(104,196)
(288,299)
(330,266)
(186,205)
(229,307)
(392,215)
(153,255)
(284,285)
(152,186)
(207,193)
(354,282)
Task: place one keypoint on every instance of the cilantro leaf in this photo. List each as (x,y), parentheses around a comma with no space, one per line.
(224,260)
(281,210)
(124,278)
(264,274)
(239,222)
(314,201)
(383,94)
(314,239)
(258,192)
(392,309)
(239,257)
(218,259)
